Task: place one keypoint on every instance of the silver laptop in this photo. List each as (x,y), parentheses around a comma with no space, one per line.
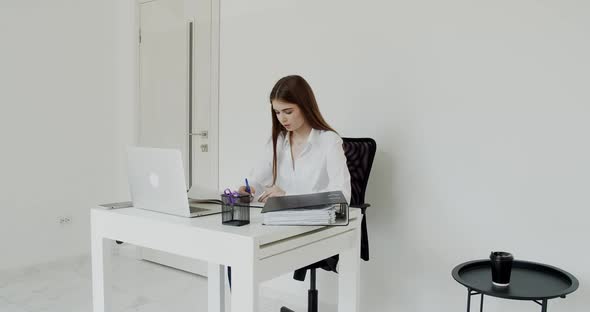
(156,182)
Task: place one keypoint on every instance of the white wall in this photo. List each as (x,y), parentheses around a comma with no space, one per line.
(480,110)
(63,124)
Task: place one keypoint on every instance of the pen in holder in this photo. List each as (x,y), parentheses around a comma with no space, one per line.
(235,208)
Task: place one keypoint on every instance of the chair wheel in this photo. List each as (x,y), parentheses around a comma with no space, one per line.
(118,242)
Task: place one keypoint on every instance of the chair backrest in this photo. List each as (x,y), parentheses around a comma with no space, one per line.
(360,153)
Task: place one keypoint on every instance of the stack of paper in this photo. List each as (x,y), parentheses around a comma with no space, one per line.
(318,215)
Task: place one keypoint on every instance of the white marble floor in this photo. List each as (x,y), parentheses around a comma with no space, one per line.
(138,285)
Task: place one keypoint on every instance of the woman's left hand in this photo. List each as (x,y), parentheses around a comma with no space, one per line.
(272,191)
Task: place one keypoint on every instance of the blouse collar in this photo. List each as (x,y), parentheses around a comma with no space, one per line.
(311,138)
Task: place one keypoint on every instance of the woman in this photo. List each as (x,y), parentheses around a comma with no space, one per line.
(304,154)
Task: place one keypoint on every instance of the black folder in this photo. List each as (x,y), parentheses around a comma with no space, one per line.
(310,201)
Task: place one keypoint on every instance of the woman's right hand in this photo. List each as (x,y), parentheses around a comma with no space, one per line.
(242,190)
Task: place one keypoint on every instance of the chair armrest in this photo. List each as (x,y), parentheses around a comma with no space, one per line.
(362,206)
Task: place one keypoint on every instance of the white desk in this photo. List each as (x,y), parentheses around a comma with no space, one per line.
(255,252)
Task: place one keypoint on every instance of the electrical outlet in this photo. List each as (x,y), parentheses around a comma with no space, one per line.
(65,220)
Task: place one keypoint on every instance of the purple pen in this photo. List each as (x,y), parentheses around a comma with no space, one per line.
(248,186)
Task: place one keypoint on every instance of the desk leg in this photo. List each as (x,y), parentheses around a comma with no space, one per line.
(216,288)
(244,291)
(349,278)
(101,273)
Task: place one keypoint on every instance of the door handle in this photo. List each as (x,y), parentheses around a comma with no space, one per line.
(204,134)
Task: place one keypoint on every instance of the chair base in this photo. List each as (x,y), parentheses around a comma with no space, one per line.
(312,296)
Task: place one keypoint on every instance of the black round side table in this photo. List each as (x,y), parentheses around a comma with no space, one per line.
(528,281)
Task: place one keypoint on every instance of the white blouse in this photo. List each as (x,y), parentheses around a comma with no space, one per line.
(321,166)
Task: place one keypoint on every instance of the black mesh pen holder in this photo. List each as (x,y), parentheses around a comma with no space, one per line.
(235,209)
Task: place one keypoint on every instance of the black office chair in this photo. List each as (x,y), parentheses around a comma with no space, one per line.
(360,153)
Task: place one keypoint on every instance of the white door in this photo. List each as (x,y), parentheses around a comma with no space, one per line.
(175,86)
(178,56)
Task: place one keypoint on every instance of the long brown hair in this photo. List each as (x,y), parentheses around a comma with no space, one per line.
(294,90)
